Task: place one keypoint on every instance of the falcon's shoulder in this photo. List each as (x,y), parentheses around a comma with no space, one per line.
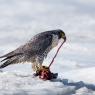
(41,41)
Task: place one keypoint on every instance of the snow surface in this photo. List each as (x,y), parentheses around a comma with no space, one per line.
(70,83)
(22,19)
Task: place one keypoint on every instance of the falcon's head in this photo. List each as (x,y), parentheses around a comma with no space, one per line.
(60,34)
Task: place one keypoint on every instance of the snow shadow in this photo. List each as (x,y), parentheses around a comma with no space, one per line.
(77,85)
(67,82)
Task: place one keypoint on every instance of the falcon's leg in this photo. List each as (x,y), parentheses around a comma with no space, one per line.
(34,66)
(39,61)
(37,65)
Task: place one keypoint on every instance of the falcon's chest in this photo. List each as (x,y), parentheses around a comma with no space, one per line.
(55,41)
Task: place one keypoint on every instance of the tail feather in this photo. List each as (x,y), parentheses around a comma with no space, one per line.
(11,54)
(11,60)
(8,54)
(4,59)
(8,62)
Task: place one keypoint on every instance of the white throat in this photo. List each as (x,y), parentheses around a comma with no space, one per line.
(55,41)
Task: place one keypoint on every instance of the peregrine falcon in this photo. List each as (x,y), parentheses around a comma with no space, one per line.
(35,50)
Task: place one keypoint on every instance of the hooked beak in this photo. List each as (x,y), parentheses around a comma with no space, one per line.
(63,36)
